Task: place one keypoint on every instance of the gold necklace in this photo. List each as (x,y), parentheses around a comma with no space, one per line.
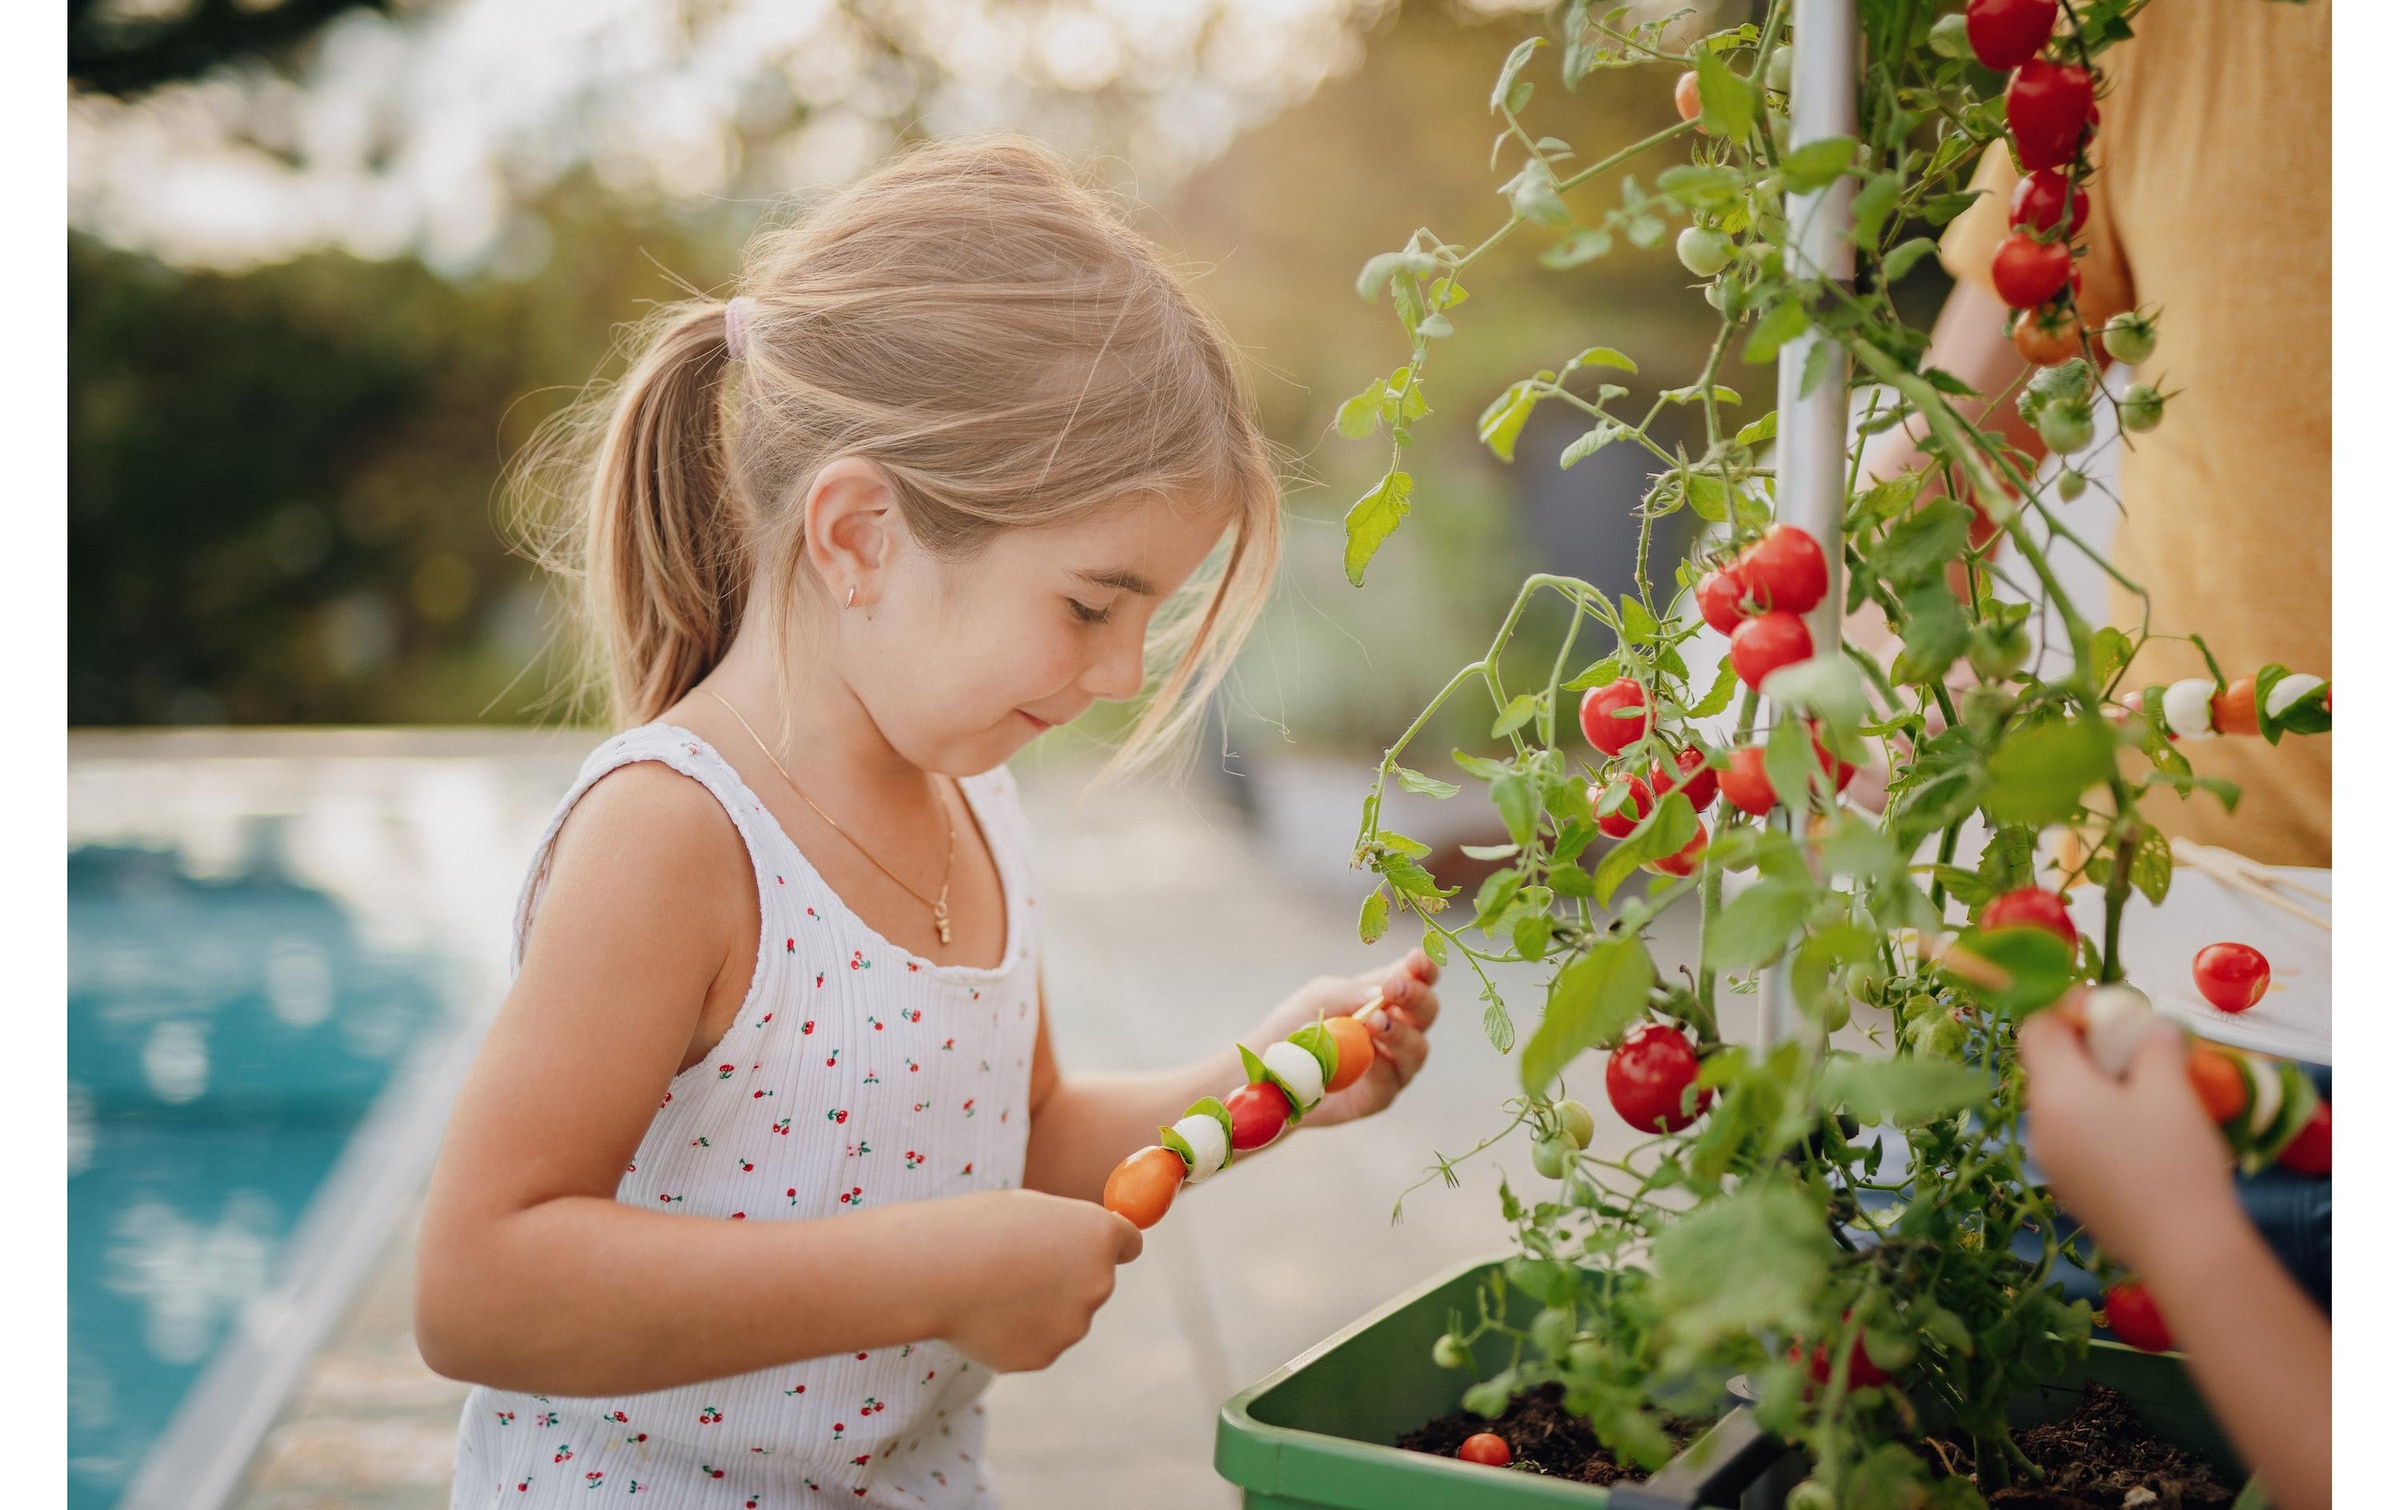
(940,904)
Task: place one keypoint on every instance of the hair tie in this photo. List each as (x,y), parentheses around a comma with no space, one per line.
(737,325)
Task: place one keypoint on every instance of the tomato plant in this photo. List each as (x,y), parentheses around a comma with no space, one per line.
(1755,1226)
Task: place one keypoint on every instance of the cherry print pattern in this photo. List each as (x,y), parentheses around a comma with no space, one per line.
(947,1040)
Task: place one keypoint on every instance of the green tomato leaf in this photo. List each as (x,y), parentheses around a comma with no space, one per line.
(1357,417)
(1812,165)
(1424,785)
(1589,443)
(1756,924)
(1782,323)
(1719,696)
(1519,711)
(2037,963)
(1905,1091)
(1592,1001)
(1727,101)
(1902,259)
(1923,542)
(1520,807)
(1371,521)
(1374,916)
(1752,1260)
(1602,356)
(1497,1027)
(2038,776)
(1517,59)
(1757,432)
(1504,419)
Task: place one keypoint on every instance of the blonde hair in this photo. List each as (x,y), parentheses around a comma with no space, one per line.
(992,336)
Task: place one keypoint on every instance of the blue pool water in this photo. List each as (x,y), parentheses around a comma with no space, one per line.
(224,1036)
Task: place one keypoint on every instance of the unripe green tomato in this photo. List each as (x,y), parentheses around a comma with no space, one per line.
(1553,1157)
(2066,427)
(1585,1355)
(1985,708)
(1552,1329)
(1949,37)
(1714,293)
(2070,485)
(2130,337)
(2141,408)
(1948,1037)
(1448,1352)
(1859,982)
(1779,68)
(1998,652)
(1809,1494)
(1575,1121)
(1890,1351)
(1704,251)
(1833,1013)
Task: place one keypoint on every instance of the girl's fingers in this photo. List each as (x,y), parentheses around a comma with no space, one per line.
(1412,998)
(1404,1046)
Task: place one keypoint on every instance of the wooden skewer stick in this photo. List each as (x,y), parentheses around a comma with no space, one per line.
(2234,879)
(2200,856)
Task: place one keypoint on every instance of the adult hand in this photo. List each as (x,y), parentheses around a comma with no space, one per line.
(2136,1159)
(1407,1007)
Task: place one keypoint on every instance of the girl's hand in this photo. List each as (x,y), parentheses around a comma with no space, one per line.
(2135,1159)
(1040,1266)
(1408,1008)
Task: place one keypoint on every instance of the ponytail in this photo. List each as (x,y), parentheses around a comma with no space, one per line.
(666,564)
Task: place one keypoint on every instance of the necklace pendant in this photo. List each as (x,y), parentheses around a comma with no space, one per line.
(941,921)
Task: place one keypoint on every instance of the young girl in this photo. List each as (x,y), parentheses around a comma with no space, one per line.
(765,1167)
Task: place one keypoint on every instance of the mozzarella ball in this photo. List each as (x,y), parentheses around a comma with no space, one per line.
(2266,1095)
(1299,1071)
(2115,1017)
(2290,690)
(2186,705)
(1205,1136)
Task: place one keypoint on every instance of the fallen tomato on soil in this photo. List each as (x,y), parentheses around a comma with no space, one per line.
(1487,1448)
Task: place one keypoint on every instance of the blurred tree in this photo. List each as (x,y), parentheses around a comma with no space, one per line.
(126,47)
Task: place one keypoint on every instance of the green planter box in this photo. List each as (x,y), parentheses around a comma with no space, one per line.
(1316,1433)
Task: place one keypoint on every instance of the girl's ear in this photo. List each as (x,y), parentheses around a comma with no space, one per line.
(852,529)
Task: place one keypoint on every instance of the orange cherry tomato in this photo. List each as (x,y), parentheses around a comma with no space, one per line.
(2219,1081)
(2045,336)
(2235,710)
(1143,1187)
(1488,1447)
(1356,1048)
(1687,105)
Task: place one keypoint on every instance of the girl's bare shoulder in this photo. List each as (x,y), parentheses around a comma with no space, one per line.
(649,844)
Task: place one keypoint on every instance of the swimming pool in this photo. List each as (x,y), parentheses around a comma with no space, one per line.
(274,943)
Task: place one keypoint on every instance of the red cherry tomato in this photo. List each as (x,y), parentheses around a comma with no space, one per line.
(1687,96)
(2311,1148)
(1648,1074)
(1840,771)
(1786,570)
(2044,337)
(1691,768)
(1143,1187)
(2026,272)
(2232,976)
(1769,643)
(1630,811)
(1863,1372)
(1259,1111)
(1486,1447)
(2134,1317)
(2029,907)
(1685,860)
(2005,33)
(1745,784)
(1354,1049)
(2041,199)
(1607,731)
(2049,110)
(1720,594)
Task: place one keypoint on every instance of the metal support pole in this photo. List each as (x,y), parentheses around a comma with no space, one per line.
(1813,433)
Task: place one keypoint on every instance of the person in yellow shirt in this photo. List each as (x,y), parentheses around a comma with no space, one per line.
(2211,205)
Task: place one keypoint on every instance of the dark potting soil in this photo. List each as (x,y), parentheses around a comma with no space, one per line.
(1540,1431)
(2097,1454)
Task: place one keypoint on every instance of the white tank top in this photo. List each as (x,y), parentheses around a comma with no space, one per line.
(856,1075)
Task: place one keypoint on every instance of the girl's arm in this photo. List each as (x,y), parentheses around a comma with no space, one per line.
(1082,1127)
(531,1276)
(2138,1163)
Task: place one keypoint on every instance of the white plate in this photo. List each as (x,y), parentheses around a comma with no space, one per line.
(2294,1019)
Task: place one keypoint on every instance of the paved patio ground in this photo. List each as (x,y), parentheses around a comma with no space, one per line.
(1172,928)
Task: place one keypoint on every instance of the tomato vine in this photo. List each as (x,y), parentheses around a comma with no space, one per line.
(1857,1233)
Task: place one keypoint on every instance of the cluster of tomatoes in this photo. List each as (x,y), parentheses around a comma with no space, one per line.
(1284,1083)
